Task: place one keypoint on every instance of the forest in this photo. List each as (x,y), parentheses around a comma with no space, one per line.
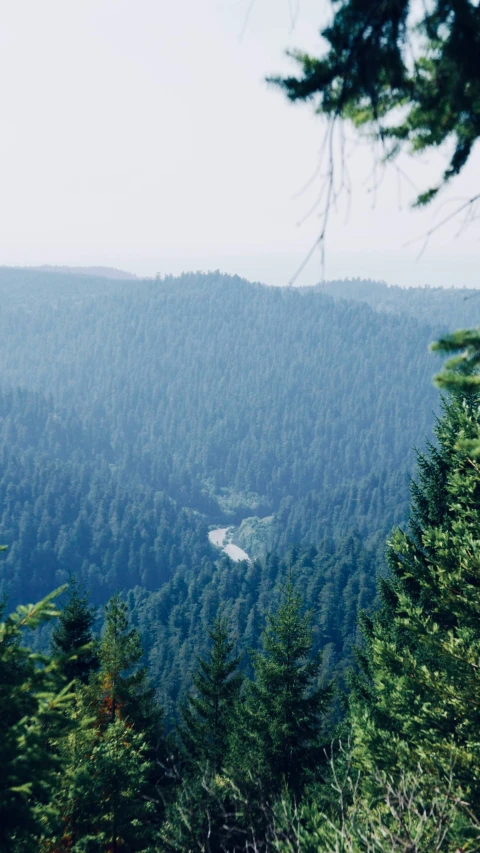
(157,695)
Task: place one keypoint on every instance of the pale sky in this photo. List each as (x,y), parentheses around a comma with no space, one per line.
(140,134)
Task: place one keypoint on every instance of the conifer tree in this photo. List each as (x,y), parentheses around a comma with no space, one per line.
(461,370)
(279,742)
(110,800)
(72,637)
(120,688)
(421,702)
(33,704)
(106,797)
(208,713)
(196,818)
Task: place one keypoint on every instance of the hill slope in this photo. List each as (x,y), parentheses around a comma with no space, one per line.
(149,411)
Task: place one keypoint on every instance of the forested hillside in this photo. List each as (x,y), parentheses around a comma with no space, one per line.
(195,709)
(437,306)
(134,415)
(337,580)
(255,759)
(200,387)
(65,511)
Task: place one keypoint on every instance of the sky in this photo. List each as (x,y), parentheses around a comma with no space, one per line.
(142,135)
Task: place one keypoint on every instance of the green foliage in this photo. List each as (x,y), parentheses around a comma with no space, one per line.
(105,798)
(102,478)
(408,75)
(420,704)
(109,798)
(320,441)
(34,701)
(121,688)
(72,637)
(461,371)
(207,715)
(337,579)
(412,814)
(280,725)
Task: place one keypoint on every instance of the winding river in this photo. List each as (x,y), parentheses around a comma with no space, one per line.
(217,537)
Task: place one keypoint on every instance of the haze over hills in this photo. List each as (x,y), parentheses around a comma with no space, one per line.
(136,414)
(438,306)
(97,272)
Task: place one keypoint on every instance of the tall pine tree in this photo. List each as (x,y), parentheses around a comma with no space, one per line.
(279,741)
(420,699)
(197,818)
(207,715)
(72,637)
(109,799)
(34,703)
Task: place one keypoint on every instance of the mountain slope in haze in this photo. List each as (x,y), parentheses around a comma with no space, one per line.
(262,400)
(136,414)
(97,272)
(65,510)
(442,308)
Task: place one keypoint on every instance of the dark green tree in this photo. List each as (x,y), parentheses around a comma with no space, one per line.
(461,370)
(105,798)
(421,702)
(280,738)
(207,716)
(121,688)
(409,76)
(197,817)
(34,703)
(114,761)
(72,637)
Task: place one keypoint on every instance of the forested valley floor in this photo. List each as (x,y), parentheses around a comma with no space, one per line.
(189,702)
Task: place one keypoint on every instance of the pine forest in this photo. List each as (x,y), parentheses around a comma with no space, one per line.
(240,566)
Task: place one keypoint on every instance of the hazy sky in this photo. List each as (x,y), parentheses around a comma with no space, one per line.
(141,134)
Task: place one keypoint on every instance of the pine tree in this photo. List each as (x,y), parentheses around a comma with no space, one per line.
(197,816)
(34,702)
(421,703)
(461,371)
(109,800)
(120,688)
(105,799)
(208,713)
(279,742)
(72,637)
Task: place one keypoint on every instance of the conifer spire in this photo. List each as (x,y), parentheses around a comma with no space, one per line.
(284,709)
(72,638)
(208,713)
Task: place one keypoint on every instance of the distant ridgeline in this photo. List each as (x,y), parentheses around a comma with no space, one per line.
(134,415)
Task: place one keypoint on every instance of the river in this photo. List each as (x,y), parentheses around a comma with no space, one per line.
(217,537)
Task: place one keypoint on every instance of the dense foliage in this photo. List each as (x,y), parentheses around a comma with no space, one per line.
(230,399)
(134,415)
(65,510)
(444,308)
(254,763)
(337,580)
(225,732)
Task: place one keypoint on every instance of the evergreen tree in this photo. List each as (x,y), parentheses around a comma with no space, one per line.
(72,637)
(408,76)
(106,798)
(421,702)
(208,713)
(280,739)
(197,816)
(33,705)
(114,760)
(121,689)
